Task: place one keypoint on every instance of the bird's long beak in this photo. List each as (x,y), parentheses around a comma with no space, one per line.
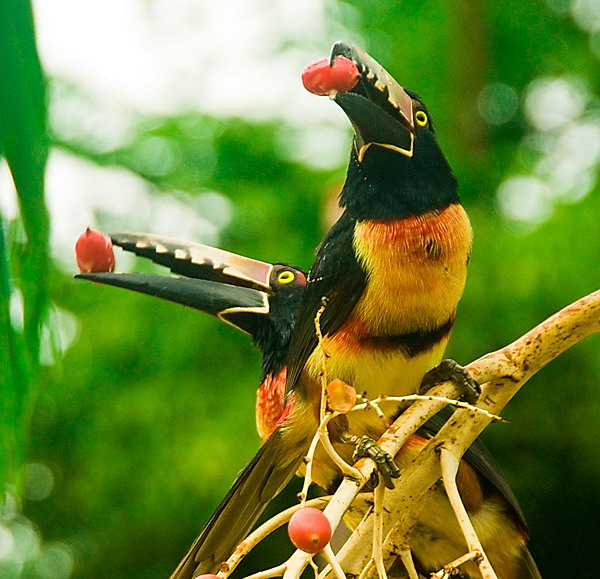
(380,110)
(223,284)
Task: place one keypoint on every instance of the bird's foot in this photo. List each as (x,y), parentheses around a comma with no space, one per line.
(366,447)
(450,370)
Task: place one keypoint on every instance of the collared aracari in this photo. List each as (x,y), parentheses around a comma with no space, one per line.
(390,273)
(262,300)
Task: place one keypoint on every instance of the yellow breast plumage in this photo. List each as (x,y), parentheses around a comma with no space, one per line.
(417,269)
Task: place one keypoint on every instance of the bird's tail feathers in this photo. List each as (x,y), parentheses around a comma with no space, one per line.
(528,569)
(260,480)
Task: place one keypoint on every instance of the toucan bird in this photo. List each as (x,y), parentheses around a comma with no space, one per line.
(389,274)
(261,299)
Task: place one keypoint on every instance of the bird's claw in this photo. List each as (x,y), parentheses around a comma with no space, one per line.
(366,447)
(450,370)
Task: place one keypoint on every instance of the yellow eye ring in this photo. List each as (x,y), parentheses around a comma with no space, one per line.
(286,277)
(421,118)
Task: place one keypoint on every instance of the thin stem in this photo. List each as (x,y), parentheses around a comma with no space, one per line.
(449,465)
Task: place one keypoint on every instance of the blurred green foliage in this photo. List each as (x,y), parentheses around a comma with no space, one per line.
(24,255)
(150,415)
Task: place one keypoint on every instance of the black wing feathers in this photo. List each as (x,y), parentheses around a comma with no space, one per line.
(336,276)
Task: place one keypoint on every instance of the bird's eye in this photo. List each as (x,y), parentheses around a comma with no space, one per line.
(286,276)
(421,118)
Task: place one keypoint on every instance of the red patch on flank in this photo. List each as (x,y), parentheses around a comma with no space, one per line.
(269,402)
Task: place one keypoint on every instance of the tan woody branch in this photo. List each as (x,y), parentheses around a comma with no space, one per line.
(501,374)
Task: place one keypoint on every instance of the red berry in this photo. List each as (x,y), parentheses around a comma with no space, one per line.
(309,529)
(94,252)
(208,576)
(320,78)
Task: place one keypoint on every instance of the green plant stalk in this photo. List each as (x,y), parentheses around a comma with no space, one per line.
(24,144)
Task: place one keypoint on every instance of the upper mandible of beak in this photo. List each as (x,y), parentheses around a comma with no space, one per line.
(195,260)
(381,111)
(218,282)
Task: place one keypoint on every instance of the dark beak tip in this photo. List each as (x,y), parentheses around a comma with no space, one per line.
(343,48)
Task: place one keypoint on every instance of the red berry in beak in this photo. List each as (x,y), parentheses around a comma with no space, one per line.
(94,252)
(320,78)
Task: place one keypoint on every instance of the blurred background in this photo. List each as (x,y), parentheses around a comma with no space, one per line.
(123,420)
